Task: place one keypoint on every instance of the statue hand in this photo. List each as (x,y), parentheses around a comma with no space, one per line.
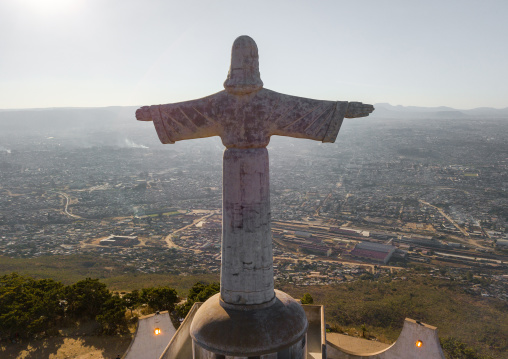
(143,114)
(358,109)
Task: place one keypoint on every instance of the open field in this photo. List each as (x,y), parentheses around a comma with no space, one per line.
(70,269)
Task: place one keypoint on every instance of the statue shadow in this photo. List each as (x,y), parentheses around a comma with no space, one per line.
(107,346)
(33,349)
(73,340)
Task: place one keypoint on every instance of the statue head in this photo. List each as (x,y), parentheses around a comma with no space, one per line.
(243,76)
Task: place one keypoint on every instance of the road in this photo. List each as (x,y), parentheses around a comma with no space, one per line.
(147,344)
(67,201)
(170,242)
(322,204)
(450,219)
(468,239)
(340,261)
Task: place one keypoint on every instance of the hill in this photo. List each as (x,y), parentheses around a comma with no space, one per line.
(382,305)
(385,110)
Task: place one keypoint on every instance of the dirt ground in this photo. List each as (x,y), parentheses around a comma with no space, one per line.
(85,347)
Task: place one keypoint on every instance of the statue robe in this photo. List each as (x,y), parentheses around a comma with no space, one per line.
(246,121)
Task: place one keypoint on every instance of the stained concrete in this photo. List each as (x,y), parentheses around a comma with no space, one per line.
(247,259)
(180,346)
(316,334)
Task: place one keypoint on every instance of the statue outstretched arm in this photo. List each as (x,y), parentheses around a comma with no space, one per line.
(358,109)
(306,118)
(312,119)
(184,120)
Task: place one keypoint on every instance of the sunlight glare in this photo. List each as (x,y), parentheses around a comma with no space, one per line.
(48,8)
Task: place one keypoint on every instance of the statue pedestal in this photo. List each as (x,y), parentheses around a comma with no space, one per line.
(278,330)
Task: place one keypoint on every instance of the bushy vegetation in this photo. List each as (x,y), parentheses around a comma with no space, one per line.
(117,276)
(28,306)
(37,307)
(455,349)
(381,305)
(472,327)
(198,293)
(307,299)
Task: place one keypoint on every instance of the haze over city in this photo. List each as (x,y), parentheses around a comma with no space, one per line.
(105,231)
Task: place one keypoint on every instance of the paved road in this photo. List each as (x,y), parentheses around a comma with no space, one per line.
(450,219)
(170,242)
(67,201)
(462,230)
(146,344)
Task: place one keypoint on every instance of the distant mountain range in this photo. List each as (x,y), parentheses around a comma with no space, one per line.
(64,118)
(385,110)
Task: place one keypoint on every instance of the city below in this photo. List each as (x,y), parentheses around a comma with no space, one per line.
(389,196)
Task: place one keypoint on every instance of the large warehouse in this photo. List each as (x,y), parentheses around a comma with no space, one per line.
(373,251)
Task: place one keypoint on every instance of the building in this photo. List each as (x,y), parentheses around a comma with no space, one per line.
(316,249)
(502,243)
(122,241)
(373,251)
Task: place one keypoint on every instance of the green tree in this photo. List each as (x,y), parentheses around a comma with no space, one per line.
(29,306)
(199,292)
(132,299)
(86,298)
(160,298)
(112,316)
(46,305)
(363,328)
(307,299)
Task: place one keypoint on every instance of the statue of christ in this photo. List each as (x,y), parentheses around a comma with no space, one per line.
(245,115)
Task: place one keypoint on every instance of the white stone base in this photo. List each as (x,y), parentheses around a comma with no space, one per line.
(404,348)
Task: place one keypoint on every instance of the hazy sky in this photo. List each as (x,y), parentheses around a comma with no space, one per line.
(82,53)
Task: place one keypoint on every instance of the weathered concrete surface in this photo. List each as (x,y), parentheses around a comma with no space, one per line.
(316,334)
(243,76)
(355,345)
(247,259)
(296,351)
(245,116)
(404,348)
(237,332)
(246,121)
(146,344)
(180,345)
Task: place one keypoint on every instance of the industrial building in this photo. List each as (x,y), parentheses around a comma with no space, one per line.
(373,251)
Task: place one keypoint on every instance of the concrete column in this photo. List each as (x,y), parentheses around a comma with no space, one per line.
(247,260)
